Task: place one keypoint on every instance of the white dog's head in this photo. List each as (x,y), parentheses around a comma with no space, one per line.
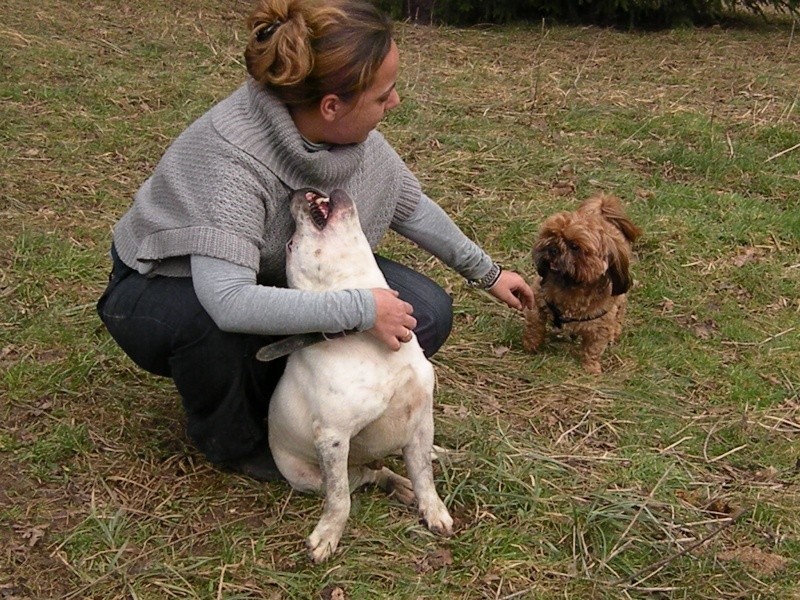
(328,249)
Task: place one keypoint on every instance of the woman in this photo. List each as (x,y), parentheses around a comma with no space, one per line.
(198,281)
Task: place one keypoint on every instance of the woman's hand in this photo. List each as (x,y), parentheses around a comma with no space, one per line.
(393,320)
(512,289)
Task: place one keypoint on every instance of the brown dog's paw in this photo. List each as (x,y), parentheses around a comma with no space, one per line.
(592,366)
(530,344)
(533,334)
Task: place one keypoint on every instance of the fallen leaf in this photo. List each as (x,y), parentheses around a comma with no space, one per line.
(720,506)
(441,557)
(764,563)
(705,329)
(500,351)
(434,560)
(563,188)
(747,255)
(333,592)
(692,497)
(459,412)
(32,535)
(667,306)
(770,379)
(768,474)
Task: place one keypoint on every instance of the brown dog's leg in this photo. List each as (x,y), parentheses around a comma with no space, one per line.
(622,308)
(535,329)
(592,348)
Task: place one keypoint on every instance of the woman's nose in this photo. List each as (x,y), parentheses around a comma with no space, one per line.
(394,100)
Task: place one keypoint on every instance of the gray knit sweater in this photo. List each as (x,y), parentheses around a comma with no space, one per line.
(221,189)
(220,193)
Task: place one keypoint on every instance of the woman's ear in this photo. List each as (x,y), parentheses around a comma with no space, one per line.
(329,107)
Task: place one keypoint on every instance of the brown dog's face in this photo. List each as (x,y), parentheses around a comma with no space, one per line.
(575,250)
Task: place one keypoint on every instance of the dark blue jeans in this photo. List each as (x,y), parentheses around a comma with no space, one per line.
(159,323)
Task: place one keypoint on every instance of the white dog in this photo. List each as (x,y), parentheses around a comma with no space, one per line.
(344,404)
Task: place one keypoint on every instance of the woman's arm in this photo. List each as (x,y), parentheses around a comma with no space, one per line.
(432,229)
(236,303)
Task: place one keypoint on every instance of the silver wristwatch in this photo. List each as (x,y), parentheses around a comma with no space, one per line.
(487,280)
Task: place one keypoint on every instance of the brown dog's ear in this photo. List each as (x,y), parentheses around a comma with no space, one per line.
(540,261)
(618,272)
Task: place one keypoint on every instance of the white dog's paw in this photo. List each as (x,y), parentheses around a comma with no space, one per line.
(322,543)
(436,517)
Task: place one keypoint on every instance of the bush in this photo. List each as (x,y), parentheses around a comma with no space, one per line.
(646,14)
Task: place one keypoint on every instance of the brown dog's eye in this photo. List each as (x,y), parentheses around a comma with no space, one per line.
(573,247)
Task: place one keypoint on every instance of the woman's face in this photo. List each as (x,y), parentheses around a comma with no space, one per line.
(362,114)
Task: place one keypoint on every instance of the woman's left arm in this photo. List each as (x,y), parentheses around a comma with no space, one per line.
(430,227)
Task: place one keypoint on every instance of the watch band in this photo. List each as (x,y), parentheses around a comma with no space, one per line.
(489,279)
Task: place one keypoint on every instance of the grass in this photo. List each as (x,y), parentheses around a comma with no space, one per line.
(675,474)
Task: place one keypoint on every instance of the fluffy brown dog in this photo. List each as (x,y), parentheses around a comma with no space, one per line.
(583,260)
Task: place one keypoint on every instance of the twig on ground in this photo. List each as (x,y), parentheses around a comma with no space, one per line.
(782,152)
(668,559)
(619,548)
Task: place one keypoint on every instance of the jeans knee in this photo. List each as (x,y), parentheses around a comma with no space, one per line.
(435,323)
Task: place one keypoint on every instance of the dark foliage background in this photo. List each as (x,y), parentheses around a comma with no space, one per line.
(635,14)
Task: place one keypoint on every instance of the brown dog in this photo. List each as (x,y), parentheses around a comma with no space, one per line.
(583,259)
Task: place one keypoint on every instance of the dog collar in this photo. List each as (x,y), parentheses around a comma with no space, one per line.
(292,343)
(559,319)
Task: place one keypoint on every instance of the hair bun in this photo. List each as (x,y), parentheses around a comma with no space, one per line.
(279,50)
(304,49)
(264,31)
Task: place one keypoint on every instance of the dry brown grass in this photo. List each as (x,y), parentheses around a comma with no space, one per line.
(674,475)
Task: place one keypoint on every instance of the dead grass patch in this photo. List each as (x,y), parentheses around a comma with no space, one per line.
(675,474)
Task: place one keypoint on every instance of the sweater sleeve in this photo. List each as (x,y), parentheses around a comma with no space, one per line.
(430,227)
(236,303)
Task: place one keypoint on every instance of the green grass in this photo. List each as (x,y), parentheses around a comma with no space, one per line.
(672,475)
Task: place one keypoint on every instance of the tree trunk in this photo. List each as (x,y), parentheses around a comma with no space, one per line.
(418,11)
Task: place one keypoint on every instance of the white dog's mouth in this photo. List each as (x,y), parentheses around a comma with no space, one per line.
(319,209)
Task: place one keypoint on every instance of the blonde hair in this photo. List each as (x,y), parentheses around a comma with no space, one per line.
(305,49)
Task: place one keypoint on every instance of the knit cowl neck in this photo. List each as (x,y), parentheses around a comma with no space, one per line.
(256,121)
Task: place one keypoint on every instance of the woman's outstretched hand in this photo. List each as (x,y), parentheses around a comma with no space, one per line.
(512,289)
